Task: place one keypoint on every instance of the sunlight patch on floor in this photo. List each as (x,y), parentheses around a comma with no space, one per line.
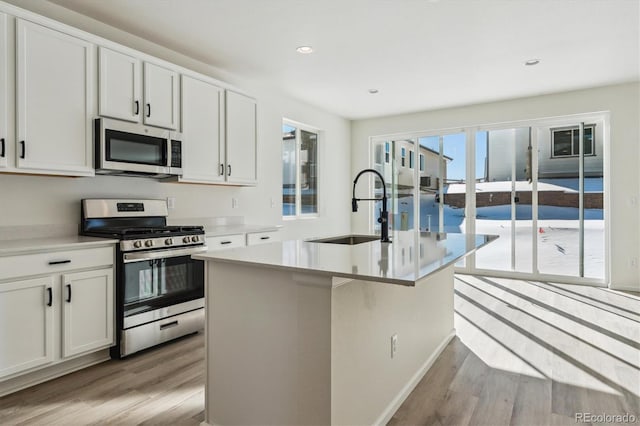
(527,329)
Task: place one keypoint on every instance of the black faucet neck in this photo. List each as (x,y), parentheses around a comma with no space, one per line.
(384,214)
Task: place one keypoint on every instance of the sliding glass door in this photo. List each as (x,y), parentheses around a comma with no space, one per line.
(570,238)
(503,198)
(539,186)
(443,182)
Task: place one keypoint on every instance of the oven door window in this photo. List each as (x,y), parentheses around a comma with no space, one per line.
(154,284)
(125,147)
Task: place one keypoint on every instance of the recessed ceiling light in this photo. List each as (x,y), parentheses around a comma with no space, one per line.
(532,62)
(373,91)
(305,50)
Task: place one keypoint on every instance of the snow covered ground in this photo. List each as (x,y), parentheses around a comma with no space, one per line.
(556,236)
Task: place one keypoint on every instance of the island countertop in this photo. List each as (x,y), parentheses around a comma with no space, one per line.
(408,259)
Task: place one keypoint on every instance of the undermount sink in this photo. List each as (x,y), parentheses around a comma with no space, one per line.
(349,240)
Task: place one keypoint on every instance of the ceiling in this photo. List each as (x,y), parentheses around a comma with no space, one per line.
(419,54)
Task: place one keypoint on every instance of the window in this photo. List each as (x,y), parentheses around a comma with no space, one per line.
(564,141)
(422,162)
(299,170)
(387,152)
(403,156)
(410,159)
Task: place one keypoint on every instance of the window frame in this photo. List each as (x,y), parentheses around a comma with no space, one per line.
(411,159)
(573,129)
(299,127)
(422,162)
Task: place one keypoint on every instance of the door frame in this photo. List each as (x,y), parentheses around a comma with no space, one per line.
(535,124)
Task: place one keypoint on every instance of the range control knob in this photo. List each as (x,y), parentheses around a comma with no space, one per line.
(195,239)
(137,244)
(168,241)
(186,240)
(148,243)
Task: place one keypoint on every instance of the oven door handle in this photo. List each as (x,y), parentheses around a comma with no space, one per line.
(142,256)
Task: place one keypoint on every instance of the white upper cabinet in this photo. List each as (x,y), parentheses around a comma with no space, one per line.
(160,96)
(120,91)
(4,88)
(202,131)
(54,101)
(241,139)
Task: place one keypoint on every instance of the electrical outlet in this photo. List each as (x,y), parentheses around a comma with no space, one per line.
(633,262)
(273,203)
(171,203)
(394,345)
(234,203)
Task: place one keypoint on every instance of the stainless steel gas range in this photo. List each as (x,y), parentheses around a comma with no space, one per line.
(159,288)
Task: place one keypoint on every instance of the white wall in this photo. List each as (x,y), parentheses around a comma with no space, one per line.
(30,200)
(623,103)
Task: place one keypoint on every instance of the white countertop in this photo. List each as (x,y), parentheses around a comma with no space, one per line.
(405,261)
(19,246)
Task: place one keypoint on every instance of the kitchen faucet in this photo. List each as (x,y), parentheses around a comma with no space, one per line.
(383,220)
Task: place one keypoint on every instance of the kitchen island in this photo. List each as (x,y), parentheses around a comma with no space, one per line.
(302,332)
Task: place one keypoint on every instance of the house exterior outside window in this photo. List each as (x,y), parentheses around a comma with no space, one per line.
(299,171)
(564,141)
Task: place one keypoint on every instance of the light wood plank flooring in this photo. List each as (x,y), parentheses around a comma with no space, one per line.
(527,353)
(530,353)
(162,386)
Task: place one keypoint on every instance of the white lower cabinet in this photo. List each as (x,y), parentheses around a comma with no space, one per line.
(4,91)
(26,324)
(254,238)
(225,242)
(64,312)
(87,311)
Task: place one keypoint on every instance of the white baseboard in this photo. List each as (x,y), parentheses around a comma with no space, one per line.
(634,289)
(393,406)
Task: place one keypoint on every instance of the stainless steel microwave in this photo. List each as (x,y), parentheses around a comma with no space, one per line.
(130,149)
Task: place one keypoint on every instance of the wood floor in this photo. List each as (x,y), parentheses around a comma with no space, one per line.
(162,386)
(527,353)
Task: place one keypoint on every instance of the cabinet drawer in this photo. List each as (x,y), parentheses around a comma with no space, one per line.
(262,237)
(224,242)
(52,262)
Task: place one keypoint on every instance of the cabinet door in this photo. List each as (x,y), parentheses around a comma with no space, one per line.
(120,94)
(160,96)
(202,151)
(26,324)
(4,87)
(55,83)
(241,139)
(87,313)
